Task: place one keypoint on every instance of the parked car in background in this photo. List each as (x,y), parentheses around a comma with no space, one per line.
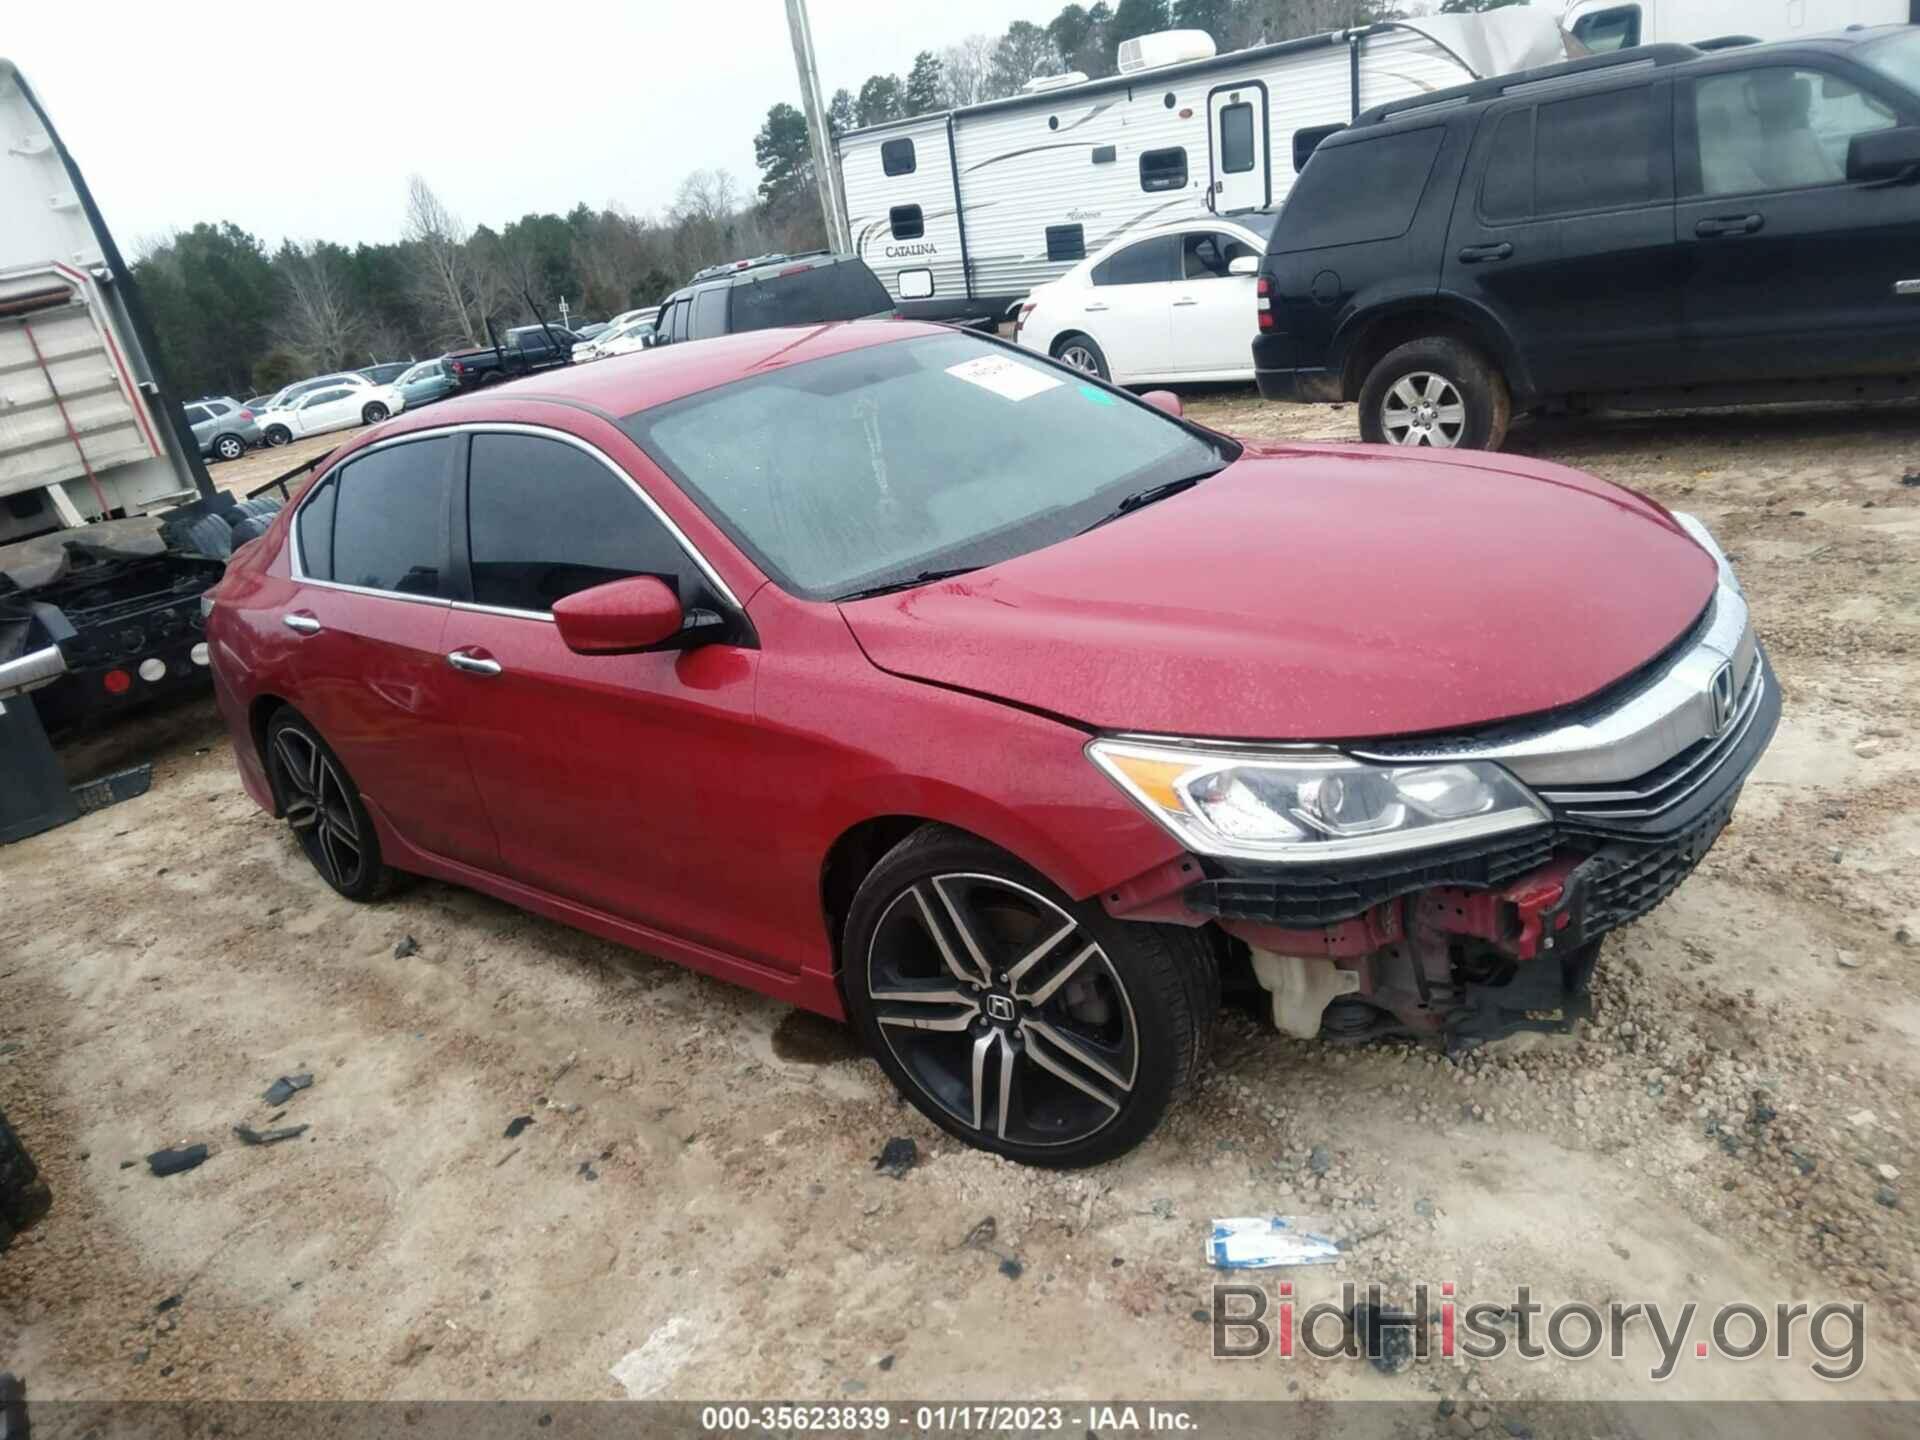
(332,407)
(387,372)
(425,382)
(287,394)
(771,290)
(1176,303)
(917,619)
(223,427)
(615,340)
(1656,226)
(525,349)
(644,312)
(588,331)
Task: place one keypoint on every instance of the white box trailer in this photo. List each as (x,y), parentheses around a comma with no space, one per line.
(84,430)
(963,212)
(1611,25)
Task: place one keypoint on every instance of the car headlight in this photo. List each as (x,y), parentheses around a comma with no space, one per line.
(1312,805)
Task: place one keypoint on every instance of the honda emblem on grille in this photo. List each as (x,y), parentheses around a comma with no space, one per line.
(1720,695)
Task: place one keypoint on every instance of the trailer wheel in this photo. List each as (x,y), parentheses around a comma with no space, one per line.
(1082,352)
(278,435)
(24,1197)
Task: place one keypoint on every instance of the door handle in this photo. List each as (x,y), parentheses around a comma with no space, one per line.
(1474,254)
(301,624)
(1186,300)
(472,664)
(1728,225)
(1091,308)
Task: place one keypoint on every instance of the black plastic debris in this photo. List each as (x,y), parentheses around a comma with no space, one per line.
(896,1157)
(173,1162)
(407,946)
(587,1172)
(170,1303)
(268,1137)
(1912,477)
(1384,1336)
(285,1088)
(516,1125)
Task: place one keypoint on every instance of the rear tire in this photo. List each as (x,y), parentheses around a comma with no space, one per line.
(1071,1044)
(1435,391)
(1082,352)
(322,805)
(229,447)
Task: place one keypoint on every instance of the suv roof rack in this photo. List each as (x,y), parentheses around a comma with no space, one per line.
(1567,73)
(733,267)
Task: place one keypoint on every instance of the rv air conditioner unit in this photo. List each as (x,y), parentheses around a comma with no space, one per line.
(1165,47)
(1040,84)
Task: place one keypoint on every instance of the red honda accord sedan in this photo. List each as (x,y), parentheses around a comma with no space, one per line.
(920,681)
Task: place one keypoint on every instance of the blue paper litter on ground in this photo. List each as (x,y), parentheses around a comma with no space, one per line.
(1261,1242)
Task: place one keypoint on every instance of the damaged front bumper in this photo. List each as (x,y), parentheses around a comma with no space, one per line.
(1477,939)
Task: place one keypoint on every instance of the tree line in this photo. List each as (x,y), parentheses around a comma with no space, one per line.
(235,318)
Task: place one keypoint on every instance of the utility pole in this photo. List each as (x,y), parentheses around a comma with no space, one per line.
(833,205)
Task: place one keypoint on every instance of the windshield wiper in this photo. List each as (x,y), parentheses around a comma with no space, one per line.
(1140,498)
(925,577)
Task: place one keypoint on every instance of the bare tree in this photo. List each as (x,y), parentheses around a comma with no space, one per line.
(445,276)
(966,66)
(321,325)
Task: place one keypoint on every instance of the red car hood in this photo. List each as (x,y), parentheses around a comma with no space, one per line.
(1317,593)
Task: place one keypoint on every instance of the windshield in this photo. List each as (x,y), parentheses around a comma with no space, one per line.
(1897,56)
(932,453)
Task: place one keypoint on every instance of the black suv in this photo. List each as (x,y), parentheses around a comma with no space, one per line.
(1657,226)
(771,290)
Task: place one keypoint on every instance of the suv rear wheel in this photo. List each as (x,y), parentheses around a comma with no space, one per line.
(1435,391)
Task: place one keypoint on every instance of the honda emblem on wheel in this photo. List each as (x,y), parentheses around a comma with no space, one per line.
(1000,1008)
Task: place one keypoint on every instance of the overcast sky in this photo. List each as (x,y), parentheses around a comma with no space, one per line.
(305,121)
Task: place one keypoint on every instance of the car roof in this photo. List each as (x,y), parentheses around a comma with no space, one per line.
(651,378)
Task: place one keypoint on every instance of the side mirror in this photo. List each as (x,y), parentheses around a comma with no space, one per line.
(1164,400)
(1884,154)
(619,617)
(1244,265)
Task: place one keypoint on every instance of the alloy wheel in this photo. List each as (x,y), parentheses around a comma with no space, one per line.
(1423,408)
(230,448)
(1081,358)
(1002,1009)
(318,807)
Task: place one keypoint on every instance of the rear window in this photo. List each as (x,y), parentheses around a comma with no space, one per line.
(1367,190)
(843,291)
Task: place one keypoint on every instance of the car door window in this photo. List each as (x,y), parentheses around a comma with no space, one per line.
(682,317)
(546,519)
(1595,152)
(1209,254)
(197,415)
(1779,128)
(710,313)
(1147,263)
(381,522)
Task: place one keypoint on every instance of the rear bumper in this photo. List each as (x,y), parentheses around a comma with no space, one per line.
(1280,375)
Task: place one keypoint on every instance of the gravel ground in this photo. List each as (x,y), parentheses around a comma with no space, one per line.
(694,1204)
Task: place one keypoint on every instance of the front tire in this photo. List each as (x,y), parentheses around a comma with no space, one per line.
(229,447)
(1082,352)
(1022,1021)
(278,435)
(1435,392)
(374,413)
(322,806)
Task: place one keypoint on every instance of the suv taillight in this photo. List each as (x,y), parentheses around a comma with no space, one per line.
(1264,304)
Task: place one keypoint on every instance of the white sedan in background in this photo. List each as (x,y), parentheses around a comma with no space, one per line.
(1175,303)
(628,325)
(338,406)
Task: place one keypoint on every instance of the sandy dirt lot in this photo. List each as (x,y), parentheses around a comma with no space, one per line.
(695,1204)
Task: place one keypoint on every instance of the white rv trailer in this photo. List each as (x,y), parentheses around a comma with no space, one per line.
(1613,25)
(963,212)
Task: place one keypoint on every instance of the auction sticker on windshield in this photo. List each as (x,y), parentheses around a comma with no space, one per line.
(1004,377)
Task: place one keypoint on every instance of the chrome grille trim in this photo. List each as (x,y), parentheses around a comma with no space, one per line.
(1622,736)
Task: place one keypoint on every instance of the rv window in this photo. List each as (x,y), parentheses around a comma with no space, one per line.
(1147,263)
(1594,152)
(1507,192)
(1365,191)
(1208,254)
(1614,29)
(1066,242)
(915,284)
(1105,154)
(906,222)
(1236,139)
(1163,169)
(896,157)
(1305,142)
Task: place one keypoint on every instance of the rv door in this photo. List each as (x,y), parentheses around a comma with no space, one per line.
(1237,131)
